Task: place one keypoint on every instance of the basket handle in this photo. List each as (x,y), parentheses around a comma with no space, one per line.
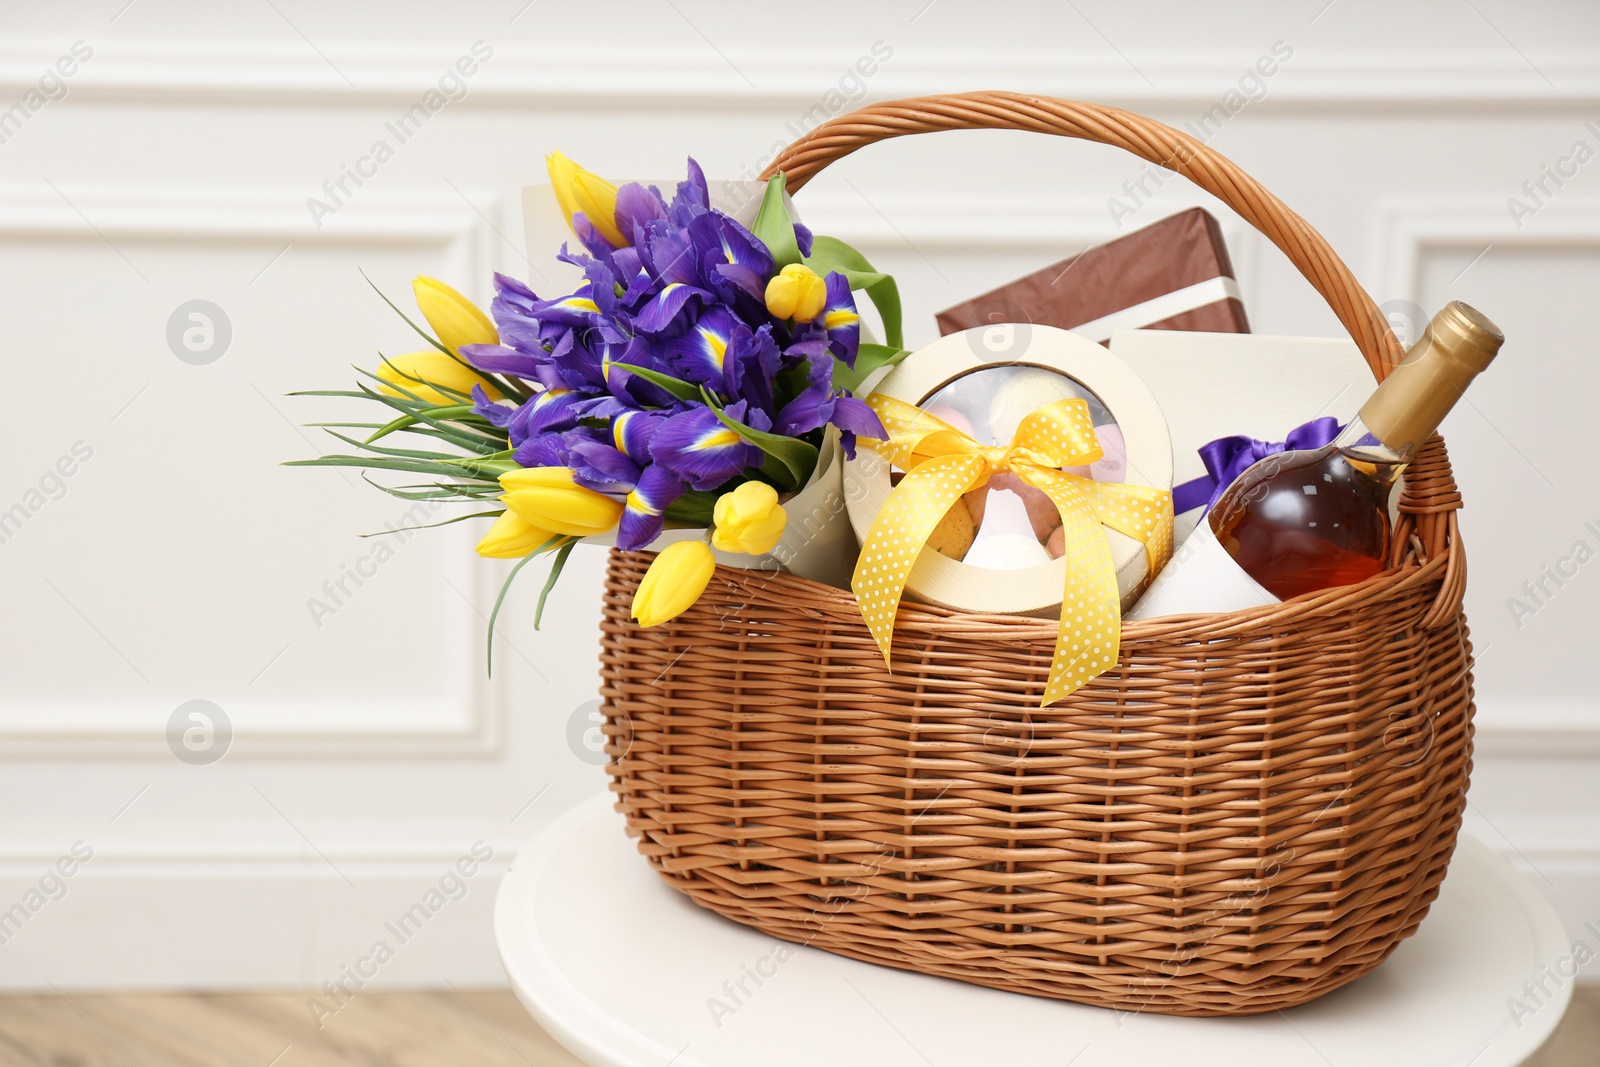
(1146,138)
(1430,499)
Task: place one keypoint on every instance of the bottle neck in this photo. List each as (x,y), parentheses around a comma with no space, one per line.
(1361,448)
(1405,410)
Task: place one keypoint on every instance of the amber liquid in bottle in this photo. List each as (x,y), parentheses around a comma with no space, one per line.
(1301,521)
(1316,519)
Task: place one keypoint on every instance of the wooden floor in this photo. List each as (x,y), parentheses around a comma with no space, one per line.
(436,1029)
(443,1029)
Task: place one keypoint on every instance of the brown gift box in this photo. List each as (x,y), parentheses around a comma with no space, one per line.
(1172,275)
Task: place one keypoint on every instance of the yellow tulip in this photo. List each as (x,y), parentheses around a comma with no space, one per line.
(512,537)
(405,374)
(456,320)
(549,498)
(797,293)
(675,580)
(579,190)
(749,519)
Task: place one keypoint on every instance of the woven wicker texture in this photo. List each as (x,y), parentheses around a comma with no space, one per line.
(1247,812)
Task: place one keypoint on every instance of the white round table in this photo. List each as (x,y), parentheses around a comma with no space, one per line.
(626,972)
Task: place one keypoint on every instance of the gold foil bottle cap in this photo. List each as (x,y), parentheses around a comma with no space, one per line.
(1457,346)
(1467,334)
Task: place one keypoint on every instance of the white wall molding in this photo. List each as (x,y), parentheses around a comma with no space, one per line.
(267,847)
(1405,229)
(314,909)
(461,227)
(1056,226)
(134,71)
(1538,731)
(973,220)
(473,728)
(1560,856)
(1404,232)
(247,905)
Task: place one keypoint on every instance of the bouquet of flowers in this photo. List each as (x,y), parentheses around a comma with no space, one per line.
(688,380)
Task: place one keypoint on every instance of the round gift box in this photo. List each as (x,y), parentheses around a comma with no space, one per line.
(1036,590)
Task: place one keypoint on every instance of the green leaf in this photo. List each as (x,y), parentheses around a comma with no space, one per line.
(439,387)
(868,359)
(424,334)
(411,420)
(559,539)
(460,398)
(377,463)
(501,599)
(462,491)
(791,382)
(550,582)
(443,522)
(505,383)
(457,430)
(488,468)
(499,443)
(693,508)
(777,473)
(831,254)
(795,459)
(327,392)
(676,386)
(773,226)
(414,401)
(409,453)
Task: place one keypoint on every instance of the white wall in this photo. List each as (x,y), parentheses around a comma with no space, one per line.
(369,752)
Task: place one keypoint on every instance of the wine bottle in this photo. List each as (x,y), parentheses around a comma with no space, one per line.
(1307,520)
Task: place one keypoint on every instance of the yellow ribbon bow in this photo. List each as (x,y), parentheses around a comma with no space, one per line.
(942,464)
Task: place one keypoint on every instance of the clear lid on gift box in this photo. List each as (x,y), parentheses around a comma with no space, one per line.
(993,550)
(1007,524)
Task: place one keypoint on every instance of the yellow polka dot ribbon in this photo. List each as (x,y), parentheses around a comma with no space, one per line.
(942,464)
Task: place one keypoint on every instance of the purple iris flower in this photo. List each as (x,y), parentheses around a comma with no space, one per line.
(633,389)
(599,465)
(732,263)
(496,414)
(669,257)
(644,508)
(700,353)
(841,322)
(546,450)
(817,404)
(637,206)
(552,410)
(631,432)
(752,363)
(498,359)
(694,197)
(685,299)
(698,448)
(671,310)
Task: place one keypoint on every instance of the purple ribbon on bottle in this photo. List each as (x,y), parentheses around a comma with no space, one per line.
(1228,457)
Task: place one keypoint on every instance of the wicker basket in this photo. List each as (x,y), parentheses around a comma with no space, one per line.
(1248,811)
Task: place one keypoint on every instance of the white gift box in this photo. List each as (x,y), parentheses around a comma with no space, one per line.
(1213,385)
